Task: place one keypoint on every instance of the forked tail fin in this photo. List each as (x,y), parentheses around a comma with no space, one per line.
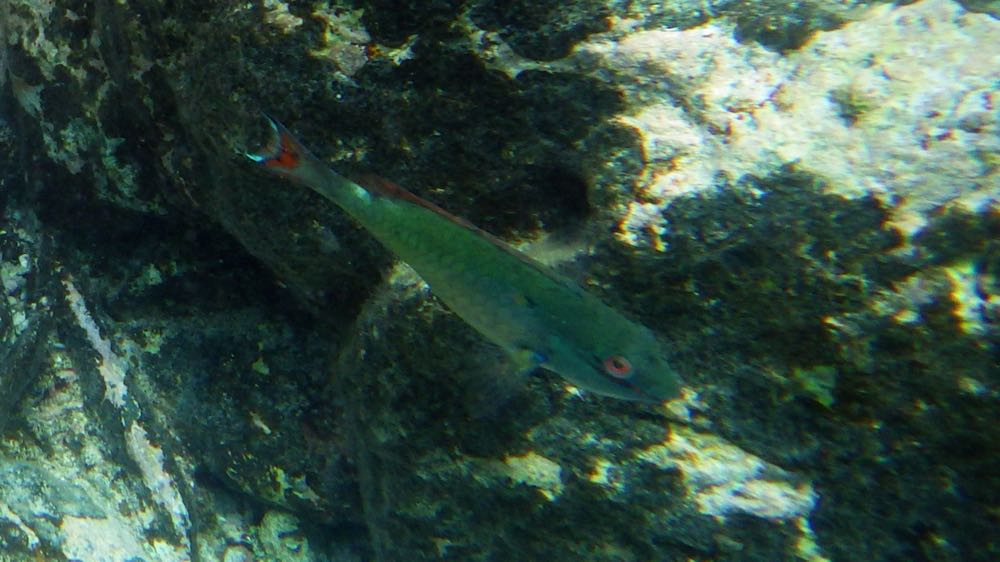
(284,154)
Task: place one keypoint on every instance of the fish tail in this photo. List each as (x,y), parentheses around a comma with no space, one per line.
(285,155)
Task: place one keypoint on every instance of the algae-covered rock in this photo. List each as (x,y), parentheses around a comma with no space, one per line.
(799,198)
(27,284)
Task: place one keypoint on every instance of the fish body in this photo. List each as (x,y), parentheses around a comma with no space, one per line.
(538,317)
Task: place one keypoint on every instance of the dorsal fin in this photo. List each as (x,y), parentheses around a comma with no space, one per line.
(381,187)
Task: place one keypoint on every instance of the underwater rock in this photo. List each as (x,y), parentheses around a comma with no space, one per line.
(281,538)
(26,288)
(876,107)
(807,217)
(43,513)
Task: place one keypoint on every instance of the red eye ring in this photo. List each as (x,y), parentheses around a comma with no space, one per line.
(618,367)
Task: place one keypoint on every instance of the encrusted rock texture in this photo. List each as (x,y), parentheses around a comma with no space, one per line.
(199,361)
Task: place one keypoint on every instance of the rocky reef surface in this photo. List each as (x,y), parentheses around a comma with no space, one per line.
(201,362)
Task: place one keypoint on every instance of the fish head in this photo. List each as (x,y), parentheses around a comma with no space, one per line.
(629,363)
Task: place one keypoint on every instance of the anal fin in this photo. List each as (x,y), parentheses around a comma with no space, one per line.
(494,378)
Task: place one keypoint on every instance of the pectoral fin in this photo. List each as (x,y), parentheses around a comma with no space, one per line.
(496,377)
(526,361)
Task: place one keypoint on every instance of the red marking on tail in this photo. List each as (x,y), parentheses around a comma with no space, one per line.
(287,156)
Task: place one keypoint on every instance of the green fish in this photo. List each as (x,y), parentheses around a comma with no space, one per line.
(538,317)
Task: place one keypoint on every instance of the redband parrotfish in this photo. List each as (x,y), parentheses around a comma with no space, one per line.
(538,317)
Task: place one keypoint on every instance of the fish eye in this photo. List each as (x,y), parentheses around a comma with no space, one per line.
(618,367)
